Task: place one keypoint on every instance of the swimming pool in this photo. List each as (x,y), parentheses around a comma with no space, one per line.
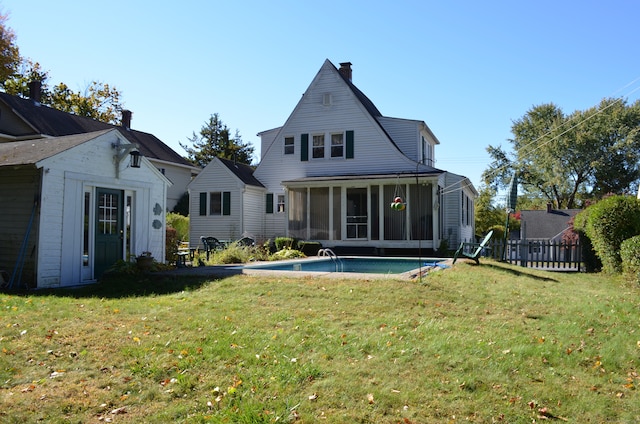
(366,265)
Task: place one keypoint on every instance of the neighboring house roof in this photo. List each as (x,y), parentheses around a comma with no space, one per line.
(47,121)
(242,171)
(546,224)
(29,152)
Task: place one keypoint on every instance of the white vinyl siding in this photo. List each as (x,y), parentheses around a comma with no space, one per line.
(246,206)
(179,175)
(371,144)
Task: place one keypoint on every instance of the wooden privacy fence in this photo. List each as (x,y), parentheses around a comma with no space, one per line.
(537,254)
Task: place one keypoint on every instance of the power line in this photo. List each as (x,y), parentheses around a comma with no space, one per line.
(599,111)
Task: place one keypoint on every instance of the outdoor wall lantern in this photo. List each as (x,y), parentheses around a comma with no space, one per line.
(121,151)
(135,158)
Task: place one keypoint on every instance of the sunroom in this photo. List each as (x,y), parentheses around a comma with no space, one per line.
(360,211)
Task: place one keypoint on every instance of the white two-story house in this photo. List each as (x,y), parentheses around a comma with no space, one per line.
(331,174)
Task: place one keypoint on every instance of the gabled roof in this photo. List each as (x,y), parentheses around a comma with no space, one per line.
(242,171)
(362,98)
(52,122)
(30,152)
(546,224)
(371,108)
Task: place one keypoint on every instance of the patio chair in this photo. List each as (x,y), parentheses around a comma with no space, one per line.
(211,244)
(475,254)
(246,241)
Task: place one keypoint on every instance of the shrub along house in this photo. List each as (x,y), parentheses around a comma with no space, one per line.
(72,206)
(332,171)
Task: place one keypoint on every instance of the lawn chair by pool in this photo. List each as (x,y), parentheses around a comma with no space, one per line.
(475,254)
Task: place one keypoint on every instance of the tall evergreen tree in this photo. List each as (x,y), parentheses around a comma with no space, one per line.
(214,141)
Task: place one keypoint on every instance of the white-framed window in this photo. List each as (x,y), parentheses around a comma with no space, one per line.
(219,203)
(337,145)
(317,151)
(289,148)
(280,204)
(215,203)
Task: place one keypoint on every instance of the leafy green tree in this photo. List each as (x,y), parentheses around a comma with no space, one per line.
(567,160)
(99,101)
(487,214)
(9,52)
(214,141)
(18,83)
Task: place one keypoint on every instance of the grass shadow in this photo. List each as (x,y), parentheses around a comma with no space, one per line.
(117,286)
(497,266)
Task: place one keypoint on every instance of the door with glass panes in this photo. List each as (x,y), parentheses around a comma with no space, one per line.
(109,229)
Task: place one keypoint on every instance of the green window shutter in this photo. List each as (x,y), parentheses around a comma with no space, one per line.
(269,202)
(226,203)
(203,204)
(304,147)
(349,152)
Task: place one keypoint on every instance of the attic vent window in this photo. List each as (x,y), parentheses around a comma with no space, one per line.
(326,99)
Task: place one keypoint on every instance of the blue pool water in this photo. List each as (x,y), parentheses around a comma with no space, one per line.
(367,265)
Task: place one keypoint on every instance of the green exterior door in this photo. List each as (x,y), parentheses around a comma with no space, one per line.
(109,230)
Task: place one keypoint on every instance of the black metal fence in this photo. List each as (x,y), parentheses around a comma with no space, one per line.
(537,254)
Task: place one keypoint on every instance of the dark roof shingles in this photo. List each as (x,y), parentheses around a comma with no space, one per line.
(242,171)
(53,122)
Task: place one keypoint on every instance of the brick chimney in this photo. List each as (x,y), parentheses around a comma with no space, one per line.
(126,119)
(345,70)
(35,91)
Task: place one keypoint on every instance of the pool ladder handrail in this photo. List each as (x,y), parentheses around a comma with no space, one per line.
(336,260)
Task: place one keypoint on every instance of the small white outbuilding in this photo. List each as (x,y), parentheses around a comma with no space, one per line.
(71,206)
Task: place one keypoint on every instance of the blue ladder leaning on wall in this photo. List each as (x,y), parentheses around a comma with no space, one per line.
(17,269)
(476,253)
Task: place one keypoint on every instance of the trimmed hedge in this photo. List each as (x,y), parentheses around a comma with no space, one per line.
(607,224)
(590,259)
(285,243)
(171,245)
(630,255)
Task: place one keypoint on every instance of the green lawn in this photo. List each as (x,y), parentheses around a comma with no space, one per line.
(483,344)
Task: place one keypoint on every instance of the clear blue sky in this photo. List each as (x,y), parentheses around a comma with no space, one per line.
(466,68)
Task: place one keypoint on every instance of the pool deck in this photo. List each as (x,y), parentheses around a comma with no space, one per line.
(224,271)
